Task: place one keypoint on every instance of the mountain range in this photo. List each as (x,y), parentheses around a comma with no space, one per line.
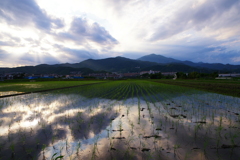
(164,60)
(123,65)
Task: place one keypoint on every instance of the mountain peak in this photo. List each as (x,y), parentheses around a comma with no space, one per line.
(153,54)
(158,58)
(120,57)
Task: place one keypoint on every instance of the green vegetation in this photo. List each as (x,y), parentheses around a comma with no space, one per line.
(194,75)
(47,69)
(128,119)
(226,87)
(27,86)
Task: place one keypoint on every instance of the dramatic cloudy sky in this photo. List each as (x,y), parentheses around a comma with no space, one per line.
(59,31)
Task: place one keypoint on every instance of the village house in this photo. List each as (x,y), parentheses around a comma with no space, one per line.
(229,75)
(149,72)
(13,75)
(98,75)
(169,73)
(1,77)
(114,75)
(129,75)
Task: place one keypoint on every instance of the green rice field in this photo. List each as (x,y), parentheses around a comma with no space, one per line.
(125,120)
(8,88)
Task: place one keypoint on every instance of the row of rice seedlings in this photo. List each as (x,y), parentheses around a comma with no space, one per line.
(141,93)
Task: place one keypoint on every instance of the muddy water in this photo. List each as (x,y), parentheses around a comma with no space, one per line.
(197,126)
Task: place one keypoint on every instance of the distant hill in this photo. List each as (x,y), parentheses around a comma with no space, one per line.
(158,59)
(177,67)
(46,69)
(213,66)
(117,64)
(124,65)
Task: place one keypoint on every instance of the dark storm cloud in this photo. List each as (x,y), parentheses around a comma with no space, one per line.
(25,12)
(81,31)
(214,14)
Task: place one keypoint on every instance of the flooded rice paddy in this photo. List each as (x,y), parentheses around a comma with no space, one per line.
(9,93)
(120,120)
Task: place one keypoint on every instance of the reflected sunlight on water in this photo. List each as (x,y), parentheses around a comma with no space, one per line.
(9,93)
(40,125)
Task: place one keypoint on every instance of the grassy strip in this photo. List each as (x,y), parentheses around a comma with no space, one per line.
(39,91)
(38,86)
(232,89)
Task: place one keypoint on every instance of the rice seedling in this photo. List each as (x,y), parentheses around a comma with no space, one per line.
(122,120)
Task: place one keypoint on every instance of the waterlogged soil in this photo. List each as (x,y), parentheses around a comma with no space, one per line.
(124,120)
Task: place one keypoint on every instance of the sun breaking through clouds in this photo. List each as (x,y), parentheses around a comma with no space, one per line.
(58,31)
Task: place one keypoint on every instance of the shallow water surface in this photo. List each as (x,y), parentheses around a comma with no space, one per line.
(162,125)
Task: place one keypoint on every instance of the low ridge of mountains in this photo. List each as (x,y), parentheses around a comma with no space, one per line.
(164,60)
(124,65)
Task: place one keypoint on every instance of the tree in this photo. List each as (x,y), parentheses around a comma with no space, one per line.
(156,76)
(194,75)
(181,75)
(146,75)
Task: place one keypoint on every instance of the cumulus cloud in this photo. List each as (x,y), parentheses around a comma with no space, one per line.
(24,44)
(25,12)
(207,54)
(224,57)
(83,31)
(8,40)
(2,43)
(210,15)
(118,5)
(36,31)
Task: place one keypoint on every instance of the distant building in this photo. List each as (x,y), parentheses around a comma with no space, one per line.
(9,76)
(32,77)
(229,75)
(149,72)
(169,73)
(36,76)
(113,75)
(76,74)
(223,78)
(97,74)
(76,77)
(1,77)
(130,75)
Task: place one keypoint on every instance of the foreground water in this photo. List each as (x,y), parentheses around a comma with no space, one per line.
(173,125)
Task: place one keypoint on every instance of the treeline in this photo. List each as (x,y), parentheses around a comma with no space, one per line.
(157,76)
(195,75)
(182,75)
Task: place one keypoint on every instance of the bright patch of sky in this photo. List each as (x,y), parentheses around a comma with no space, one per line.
(59,31)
